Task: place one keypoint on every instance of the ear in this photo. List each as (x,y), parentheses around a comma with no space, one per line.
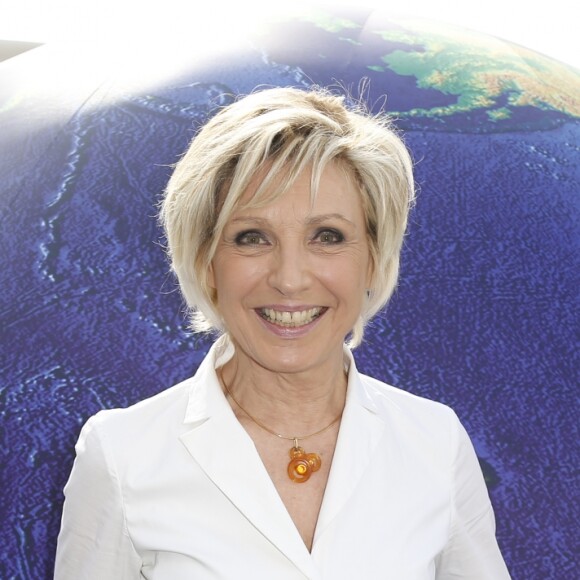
(211,276)
(370,272)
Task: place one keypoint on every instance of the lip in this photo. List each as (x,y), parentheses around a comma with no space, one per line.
(289,331)
(289,308)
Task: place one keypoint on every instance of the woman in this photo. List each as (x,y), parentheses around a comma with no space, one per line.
(278,460)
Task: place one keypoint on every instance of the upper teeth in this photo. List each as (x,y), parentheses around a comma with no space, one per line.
(291,318)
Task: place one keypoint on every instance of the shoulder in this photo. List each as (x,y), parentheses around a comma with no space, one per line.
(415,421)
(389,399)
(152,428)
(390,402)
(139,433)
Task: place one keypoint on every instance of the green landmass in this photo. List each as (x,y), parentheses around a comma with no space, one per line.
(482,71)
(499,114)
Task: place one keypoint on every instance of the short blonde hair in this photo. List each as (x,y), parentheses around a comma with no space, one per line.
(283,131)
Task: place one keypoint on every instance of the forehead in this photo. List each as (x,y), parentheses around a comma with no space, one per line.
(332,190)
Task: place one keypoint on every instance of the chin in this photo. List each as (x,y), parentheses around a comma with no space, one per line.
(294,358)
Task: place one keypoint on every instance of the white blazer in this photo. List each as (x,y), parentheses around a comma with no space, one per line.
(173,489)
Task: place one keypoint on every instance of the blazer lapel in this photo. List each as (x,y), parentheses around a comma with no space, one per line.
(226,453)
(361,430)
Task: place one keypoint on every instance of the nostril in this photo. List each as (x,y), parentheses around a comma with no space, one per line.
(289,274)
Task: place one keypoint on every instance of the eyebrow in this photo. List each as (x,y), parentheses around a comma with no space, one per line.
(315,220)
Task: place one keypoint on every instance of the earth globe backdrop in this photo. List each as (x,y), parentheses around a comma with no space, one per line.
(485,315)
(550,30)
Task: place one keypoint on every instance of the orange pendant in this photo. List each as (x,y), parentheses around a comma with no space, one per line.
(302,465)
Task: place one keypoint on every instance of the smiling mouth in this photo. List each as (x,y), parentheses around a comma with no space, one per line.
(291,319)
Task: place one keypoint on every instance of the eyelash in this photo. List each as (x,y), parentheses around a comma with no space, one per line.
(335,234)
(242,239)
(256,238)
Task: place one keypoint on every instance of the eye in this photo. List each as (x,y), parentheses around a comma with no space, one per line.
(250,238)
(329,236)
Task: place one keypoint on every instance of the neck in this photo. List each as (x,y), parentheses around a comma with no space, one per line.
(289,403)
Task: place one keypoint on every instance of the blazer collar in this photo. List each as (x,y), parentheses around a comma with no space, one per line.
(205,394)
(361,430)
(226,453)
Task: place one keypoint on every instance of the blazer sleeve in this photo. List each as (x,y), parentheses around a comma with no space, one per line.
(94,543)
(472,552)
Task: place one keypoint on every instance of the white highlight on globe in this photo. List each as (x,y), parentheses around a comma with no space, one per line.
(548,29)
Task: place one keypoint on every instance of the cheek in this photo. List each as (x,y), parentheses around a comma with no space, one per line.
(349,277)
(235,275)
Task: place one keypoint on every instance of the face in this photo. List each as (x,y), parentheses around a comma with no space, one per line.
(291,277)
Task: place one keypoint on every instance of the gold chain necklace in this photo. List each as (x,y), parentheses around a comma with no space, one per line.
(302,465)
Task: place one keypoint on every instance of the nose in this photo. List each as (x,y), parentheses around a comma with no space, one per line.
(290,269)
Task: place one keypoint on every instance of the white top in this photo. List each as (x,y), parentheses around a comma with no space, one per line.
(173,489)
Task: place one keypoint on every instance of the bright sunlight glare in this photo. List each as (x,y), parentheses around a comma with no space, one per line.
(548,28)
